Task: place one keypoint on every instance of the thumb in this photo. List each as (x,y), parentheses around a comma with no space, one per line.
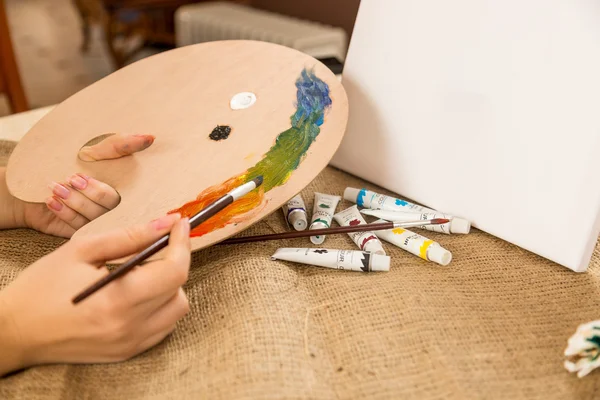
(116,146)
(125,241)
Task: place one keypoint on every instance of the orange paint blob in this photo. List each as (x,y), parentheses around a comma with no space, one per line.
(236,212)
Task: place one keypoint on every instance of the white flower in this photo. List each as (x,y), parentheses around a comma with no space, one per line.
(584,349)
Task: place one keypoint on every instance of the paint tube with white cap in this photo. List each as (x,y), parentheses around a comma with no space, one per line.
(367,241)
(415,244)
(352,260)
(323,210)
(295,213)
(402,216)
(367,199)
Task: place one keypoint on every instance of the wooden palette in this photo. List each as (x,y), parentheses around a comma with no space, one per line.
(180,96)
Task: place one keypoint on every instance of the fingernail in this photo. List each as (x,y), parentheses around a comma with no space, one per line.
(87,178)
(148,140)
(165,222)
(78,182)
(54,204)
(59,190)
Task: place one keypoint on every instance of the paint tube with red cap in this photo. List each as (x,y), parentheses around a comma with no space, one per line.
(367,241)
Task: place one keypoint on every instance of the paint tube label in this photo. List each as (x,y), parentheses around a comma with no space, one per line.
(416,244)
(323,211)
(377,201)
(349,260)
(295,213)
(354,260)
(366,241)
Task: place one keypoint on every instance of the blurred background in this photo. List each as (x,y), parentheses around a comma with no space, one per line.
(50,49)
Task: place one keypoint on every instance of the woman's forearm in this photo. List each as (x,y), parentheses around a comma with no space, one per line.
(11,209)
(12,356)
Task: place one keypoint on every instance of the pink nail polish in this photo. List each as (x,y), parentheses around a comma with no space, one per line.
(87,178)
(54,204)
(164,222)
(78,182)
(59,190)
(148,140)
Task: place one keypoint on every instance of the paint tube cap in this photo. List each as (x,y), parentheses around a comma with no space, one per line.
(439,255)
(297,219)
(319,239)
(351,194)
(374,246)
(380,263)
(460,225)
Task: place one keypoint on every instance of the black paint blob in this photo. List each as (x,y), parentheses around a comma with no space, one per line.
(220,132)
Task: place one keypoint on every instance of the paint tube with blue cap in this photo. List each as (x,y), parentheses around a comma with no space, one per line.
(375,201)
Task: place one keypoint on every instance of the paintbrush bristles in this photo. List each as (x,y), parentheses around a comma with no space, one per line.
(258,180)
(439,221)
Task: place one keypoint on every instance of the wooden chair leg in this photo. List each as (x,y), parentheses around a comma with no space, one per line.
(8,67)
(85,25)
(109,37)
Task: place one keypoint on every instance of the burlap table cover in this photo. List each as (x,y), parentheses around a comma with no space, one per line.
(492,325)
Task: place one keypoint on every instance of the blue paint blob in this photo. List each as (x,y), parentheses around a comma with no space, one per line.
(312,100)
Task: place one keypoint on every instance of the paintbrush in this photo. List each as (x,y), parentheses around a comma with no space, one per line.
(161,243)
(330,231)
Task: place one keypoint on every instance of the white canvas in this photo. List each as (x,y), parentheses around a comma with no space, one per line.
(486,109)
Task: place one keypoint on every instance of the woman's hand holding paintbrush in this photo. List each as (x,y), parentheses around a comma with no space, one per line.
(39,325)
(161,243)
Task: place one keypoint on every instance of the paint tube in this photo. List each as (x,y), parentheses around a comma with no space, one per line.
(323,210)
(351,260)
(367,199)
(295,213)
(402,216)
(367,241)
(415,244)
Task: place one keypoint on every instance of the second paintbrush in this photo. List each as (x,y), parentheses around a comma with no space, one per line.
(331,231)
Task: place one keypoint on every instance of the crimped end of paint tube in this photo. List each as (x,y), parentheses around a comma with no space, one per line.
(460,226)
(439,255)
(351,194)
(380,263)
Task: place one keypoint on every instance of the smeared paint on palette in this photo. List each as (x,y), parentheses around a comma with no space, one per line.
(277,165)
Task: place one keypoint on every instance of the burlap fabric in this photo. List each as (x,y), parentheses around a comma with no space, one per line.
(492,325)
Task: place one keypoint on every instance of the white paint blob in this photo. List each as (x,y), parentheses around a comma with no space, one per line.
(242,100)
